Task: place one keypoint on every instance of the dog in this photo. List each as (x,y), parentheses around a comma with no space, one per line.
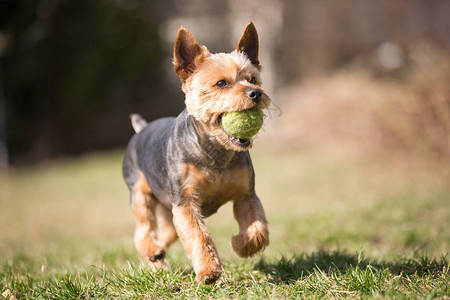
(180,170)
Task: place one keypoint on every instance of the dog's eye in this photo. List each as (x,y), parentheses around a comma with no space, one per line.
(252,80)
(222,83)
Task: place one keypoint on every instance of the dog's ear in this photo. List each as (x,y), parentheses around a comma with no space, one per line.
(248,44)
(187,54)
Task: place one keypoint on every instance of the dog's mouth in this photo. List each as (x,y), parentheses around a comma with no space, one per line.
(242,143)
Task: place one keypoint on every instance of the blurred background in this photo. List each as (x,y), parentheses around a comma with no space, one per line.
(354,153)
(352,77)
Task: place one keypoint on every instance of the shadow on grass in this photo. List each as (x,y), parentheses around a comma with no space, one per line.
(289,270)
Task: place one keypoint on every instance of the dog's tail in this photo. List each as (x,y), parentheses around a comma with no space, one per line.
(138,122)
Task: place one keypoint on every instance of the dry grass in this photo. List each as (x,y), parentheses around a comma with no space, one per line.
(360,112)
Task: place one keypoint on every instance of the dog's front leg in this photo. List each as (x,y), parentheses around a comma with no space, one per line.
(196,241)
(253,231)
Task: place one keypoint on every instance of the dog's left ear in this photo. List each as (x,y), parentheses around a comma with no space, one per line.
(249,44)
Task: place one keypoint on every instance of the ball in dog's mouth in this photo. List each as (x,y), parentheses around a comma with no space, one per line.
(241,126)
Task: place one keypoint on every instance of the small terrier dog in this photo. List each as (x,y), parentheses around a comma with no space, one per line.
(180,170)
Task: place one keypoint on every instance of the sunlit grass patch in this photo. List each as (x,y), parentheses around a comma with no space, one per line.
(338,229)
(320,274)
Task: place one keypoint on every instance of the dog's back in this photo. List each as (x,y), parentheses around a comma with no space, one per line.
(144,144)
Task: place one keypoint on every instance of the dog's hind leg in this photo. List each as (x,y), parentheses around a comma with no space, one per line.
(165,232)
(143,203)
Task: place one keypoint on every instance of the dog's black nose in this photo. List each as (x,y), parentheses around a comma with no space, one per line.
(254,94)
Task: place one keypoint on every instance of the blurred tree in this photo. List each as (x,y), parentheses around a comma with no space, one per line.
(4,160)
(75,69)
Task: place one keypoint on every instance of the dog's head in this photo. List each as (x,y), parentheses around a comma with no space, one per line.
(219,83)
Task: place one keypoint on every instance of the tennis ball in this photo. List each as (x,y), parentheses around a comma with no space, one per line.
(242,124)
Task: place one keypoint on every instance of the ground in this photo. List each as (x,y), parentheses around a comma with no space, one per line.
(339,228)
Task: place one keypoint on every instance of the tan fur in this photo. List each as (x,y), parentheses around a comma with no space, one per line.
(165,230)
(154,232)
(200,73)
(250,45)
(143,205)
(206,102)
(188,54)
(216,189)
(197,242)
(253,231)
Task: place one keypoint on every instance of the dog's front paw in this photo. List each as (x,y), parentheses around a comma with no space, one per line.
(253,240)
(207,266)
(209,276)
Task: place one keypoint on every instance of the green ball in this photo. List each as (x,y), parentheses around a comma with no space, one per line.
(242,124)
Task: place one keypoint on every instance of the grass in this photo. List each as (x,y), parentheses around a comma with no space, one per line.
(338,229)
(316,275)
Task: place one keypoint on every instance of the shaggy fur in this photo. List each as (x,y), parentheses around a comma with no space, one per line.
(180,170)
